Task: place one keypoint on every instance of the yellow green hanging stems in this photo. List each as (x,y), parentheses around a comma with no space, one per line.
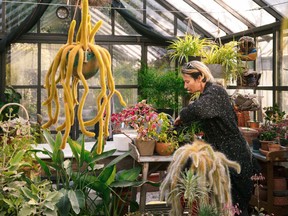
(69,68)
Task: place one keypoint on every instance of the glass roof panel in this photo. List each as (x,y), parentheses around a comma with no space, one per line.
(161,19)
(281,6)
(220,14)
(17,11)
(251,11)
(196,17)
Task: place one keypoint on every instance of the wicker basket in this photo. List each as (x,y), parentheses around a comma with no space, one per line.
(249,79)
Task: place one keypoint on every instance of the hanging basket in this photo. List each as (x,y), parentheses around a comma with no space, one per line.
(249,79)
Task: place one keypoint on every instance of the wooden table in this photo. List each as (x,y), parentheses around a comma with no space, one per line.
(269,161)
(145,161)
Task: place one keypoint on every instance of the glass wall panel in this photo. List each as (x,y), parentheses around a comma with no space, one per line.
(22,64)
(101,13)
(264,60)
(126,63)
(283,102)
(61,118)
(130,96)
(283,76)
(48,54)
(50,23)
(157,57)
(125,72)
(29,101)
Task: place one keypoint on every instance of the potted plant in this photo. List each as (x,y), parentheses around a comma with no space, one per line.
(166,141)
(161,88)
(188,46)
(193,182)
(224,61)
(143,118)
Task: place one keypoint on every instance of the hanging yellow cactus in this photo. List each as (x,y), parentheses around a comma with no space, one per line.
(72,64)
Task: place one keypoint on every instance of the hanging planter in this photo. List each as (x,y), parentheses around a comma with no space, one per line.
(90,65)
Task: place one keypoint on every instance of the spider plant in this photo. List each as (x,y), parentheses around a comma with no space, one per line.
(184,47)
(227,56)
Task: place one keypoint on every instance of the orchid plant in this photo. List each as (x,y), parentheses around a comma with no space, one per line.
(142,117)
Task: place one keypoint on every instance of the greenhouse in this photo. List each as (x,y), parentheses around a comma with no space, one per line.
(87,85)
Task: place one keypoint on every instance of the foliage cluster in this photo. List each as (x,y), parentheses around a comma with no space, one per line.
(161,88)
(226,55)
(184,47)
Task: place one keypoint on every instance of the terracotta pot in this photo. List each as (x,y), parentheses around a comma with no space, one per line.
(273,147)
(264,144)
(145,147)
(280,184)
(253,124)
(164,149)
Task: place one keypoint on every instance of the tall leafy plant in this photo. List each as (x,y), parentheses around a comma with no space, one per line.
(88,176)
(161,88)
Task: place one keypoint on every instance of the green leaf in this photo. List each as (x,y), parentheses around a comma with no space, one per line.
(129,175)
(49,138)
(81,198)
(73,149)
(28,194)
(107,175)
(74,201)
(17,158)
(64,205)
(43,166)
(27,210)
(118,159)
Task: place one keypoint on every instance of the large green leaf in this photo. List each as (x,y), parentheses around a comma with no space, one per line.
(43,166)
(118,159)
(74,201)
(73,149)
(129,175)
(107,175)
(64,205)
(49,139)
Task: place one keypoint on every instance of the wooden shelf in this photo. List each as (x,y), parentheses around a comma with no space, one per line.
(269,161)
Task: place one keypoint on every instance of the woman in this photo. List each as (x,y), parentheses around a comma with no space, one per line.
(216,114)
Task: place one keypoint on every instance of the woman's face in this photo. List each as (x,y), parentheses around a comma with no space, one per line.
(192,85)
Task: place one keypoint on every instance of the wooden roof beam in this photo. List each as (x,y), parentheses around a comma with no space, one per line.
(269,9)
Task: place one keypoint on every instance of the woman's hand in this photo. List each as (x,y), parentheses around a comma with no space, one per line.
(177,121)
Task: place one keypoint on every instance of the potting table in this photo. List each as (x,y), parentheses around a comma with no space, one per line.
(268,162)
(145,161)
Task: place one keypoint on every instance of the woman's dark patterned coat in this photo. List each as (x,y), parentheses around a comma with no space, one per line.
(219,124)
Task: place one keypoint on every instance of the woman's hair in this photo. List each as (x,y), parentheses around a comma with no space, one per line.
(196,69)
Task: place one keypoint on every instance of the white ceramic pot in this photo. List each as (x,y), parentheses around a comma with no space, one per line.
(122,141)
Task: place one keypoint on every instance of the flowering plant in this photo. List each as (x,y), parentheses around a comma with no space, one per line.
(141,117)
